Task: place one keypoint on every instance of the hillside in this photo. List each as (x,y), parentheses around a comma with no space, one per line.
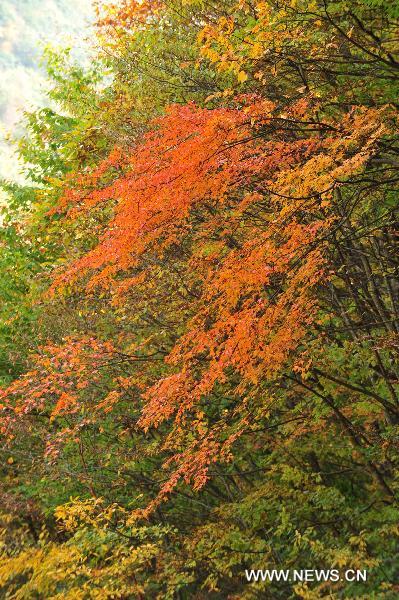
(199,306)
(25,26)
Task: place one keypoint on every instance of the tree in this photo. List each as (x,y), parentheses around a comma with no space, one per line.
(218,390)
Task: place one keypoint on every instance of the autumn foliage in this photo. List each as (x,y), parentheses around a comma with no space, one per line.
(213,374)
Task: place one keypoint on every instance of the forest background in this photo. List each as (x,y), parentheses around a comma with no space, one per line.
(26,27)
(199,305)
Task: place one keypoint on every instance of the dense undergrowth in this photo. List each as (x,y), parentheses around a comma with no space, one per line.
(199,308)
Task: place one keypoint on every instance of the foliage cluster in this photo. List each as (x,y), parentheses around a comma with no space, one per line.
(200,311)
